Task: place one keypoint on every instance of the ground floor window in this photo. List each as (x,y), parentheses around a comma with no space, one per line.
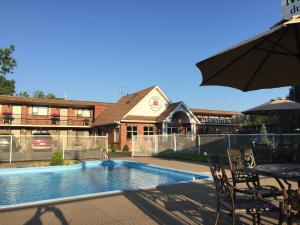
(131,132)
(148,131)
(173,130)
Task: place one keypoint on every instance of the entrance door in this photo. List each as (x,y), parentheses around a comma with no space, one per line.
(17,111)
(63,117)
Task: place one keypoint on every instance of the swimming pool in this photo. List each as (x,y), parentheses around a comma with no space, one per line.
(24,186)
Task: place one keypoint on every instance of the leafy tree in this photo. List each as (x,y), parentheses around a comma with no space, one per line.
(7,62)
(23,94)
(7,87)
(7,65)
(38,94)
(51,96)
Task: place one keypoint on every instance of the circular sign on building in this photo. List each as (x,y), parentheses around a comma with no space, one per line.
(155,103)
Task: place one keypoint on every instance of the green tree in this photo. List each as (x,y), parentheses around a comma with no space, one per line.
(7,87)
(51,96)
(38,94)
(7,65)
(23,94)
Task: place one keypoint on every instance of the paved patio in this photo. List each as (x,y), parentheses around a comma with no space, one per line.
(192,203)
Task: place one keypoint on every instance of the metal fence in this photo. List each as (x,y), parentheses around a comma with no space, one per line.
(210,143)
(155,144)
(15,148)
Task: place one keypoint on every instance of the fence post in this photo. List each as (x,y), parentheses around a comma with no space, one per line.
(10,149)
(63,148)
(155,145)
(273,141)
(106,142)
(174,139)
(199,144)
(132,146)
(229,142)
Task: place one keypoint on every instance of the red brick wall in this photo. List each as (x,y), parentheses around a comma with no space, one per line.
(140,129)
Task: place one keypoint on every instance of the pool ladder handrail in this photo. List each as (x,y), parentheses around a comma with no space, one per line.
(104,152)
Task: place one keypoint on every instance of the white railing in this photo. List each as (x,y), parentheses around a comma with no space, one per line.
(15,148)
(210,143)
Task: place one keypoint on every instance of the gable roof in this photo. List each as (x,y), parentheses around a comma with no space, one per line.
(165,114)
(119,110)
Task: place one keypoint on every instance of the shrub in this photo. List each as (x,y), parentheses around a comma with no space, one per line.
(57,158)
(114,147)
(126,148)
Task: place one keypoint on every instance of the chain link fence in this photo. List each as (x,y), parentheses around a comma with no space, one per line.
(16,148)
(268,148)
(155,144)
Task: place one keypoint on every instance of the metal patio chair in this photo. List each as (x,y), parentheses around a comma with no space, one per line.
(233,199)
(241,164)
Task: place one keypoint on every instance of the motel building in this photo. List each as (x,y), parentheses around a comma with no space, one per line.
(146,112)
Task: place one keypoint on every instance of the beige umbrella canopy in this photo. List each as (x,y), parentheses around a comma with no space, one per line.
(269,60)
(277,106)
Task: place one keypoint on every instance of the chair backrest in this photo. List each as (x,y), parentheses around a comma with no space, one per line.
(240,161)
(223,187)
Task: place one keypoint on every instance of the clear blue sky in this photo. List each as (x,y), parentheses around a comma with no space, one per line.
(91,48)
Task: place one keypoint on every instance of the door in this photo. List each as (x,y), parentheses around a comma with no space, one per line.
(63,117)
(17,111)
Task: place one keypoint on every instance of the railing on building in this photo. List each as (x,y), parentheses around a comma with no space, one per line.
(15,148)
(17,119)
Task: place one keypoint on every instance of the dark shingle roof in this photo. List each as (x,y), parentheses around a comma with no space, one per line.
(121,108)
(49,102)
(168,110)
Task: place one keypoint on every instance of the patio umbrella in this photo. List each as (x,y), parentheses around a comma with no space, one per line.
(269,60)
(274,107)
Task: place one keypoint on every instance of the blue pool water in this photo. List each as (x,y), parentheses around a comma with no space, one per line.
(29,185)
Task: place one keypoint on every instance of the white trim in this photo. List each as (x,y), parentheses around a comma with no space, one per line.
(139,121)
(188,110)
(154,88)
(47,126)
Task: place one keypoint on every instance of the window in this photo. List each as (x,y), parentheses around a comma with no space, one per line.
(173,130)
(131,131)
(148,131)
(83,113)
(39,111)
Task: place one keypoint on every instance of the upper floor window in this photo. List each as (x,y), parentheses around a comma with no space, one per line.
(39,111)
(83,113)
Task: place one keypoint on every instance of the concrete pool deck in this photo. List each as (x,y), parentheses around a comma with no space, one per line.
(191,203)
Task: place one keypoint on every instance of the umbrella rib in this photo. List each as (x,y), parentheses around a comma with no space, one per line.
(279,53)
(236,59)
(265,59)
(280,46)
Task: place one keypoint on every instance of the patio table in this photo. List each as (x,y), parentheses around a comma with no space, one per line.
(284,175)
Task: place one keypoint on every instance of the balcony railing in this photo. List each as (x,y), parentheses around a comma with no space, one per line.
(45,120)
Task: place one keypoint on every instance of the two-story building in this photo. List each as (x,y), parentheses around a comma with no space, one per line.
(26,116)
(146,112)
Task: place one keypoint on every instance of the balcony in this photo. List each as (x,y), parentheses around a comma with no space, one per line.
(57,121)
